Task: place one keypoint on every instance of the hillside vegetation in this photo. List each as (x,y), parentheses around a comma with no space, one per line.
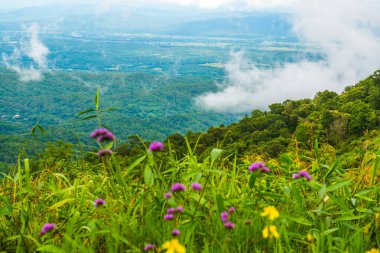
(301,177)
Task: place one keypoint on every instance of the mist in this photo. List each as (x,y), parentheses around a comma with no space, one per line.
(347,35)
(31,48)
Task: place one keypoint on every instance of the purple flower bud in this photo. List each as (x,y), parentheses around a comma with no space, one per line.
(171,210)
(46,228)
(224,217)
(156,146)
(167,195)
(179,209)
(229,225)
(98,132)
(104,152)
(168,216)
(256,166)
(196,186)
(148,247)
(99,202)
(302,173)
(247,222)
(106,137)
(178,187)
(176,232)
(231,210)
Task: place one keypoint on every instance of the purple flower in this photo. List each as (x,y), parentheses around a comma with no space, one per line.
(231,210)
(46,228)
(196,186)
(260,166)
(178,187)
(148,247)
(171,210)
(106,137)
(179,209)
(224,217)
(104,152)
(168,216)
(98,132)
(176,232)
(102,134)
(229,225)
(167,195)
(99,202)
(156,146)
(302,173)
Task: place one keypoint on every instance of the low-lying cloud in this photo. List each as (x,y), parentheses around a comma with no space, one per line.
(347,35)
(33,50)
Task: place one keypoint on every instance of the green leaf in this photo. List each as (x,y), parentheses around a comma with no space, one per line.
(49,248)
(338,185)
(350,217)
(97,97)
(252,179)
(301,220)
(332,168)
(219,203)
(330,231)
(215,153)
(148,176)
(84,112)
(61,203)
(89,117)
(137,162)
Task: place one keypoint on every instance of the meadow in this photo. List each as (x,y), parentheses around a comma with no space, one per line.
(165,203)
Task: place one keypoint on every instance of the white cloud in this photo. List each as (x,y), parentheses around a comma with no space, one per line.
(35,50)
(347,33)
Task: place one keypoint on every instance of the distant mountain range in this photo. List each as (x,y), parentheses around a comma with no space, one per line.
(179,21)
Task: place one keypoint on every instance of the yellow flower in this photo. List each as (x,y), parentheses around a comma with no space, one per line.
(271,232)
(309,237)
(373,251)
(173,246)
(270,211)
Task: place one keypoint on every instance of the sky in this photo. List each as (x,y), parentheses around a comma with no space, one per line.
(205,4)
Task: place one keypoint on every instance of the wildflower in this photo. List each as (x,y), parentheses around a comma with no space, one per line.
(156,146)
(102,134)
(302,173)
(270,232)
(270,211)
(98,132)
(373,251)
(179,209)
(169,216)
(99,202)
(224,217)
(309,237)
(196,186)
(231,210)
(174,246)
(106,137)
(167,195)
(229,225)
(260,166)
(46,228)
(247,222)
(171,210)
(178,187)
(176,232)
(104,152)
(148,247)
